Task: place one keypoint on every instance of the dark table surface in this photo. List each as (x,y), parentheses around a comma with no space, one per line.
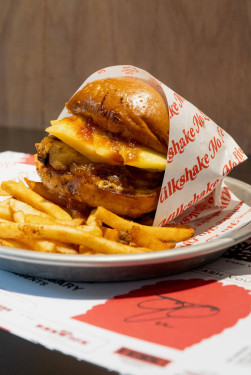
(18,356)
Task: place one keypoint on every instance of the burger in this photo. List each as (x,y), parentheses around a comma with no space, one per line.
(110,151)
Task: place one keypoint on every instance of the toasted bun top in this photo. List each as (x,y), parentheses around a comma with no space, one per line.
(126,106)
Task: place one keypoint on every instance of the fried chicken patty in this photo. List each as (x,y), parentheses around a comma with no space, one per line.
(125,190)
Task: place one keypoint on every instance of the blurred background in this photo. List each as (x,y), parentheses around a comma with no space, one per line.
(199,48)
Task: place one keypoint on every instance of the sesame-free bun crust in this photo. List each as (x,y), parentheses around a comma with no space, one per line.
(126,106)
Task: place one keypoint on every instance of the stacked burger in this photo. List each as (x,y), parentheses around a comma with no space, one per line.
(111,151)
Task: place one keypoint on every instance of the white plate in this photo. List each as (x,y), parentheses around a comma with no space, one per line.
(125,267)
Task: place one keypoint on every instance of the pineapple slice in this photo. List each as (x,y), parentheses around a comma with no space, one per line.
(96,145)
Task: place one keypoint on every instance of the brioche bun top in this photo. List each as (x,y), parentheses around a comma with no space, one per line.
(125,106)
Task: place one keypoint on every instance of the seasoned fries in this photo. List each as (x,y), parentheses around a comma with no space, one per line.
(13,243)
(31,221)
(5,212)
(170,232)
(16,205)
(34,216)
(3,193)
(24,194)
(141,237)
(110,234)
(69,234)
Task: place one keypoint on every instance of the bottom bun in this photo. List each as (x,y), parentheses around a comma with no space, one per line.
(77,192)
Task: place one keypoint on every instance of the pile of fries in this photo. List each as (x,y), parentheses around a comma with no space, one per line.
(31,220)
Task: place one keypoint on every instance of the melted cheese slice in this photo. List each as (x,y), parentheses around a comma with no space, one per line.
(102,147)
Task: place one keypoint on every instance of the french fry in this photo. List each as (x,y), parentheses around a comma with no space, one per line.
(141,237)
(69,235)
(76,221)
(86,251)
(83,251)
(19,191)
(65,249)
(16,205)
(170,232)
(110,234)
(37,245)
(38,216)
(3,193)
(75,214)
(5,202)
(18,217)
(94,223)
(5,213)
(36,219)
(92,220)
(13,243)
(45,246)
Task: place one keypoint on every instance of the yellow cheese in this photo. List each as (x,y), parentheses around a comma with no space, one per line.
(99,147)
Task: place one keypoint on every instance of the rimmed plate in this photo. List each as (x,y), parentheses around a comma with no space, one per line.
(103,268)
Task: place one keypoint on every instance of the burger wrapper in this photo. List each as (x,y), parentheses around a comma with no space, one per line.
(200,155)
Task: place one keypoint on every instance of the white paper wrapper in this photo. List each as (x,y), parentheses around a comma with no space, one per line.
(200,153)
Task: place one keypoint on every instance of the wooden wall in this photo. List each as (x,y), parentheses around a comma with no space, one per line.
(200,48)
